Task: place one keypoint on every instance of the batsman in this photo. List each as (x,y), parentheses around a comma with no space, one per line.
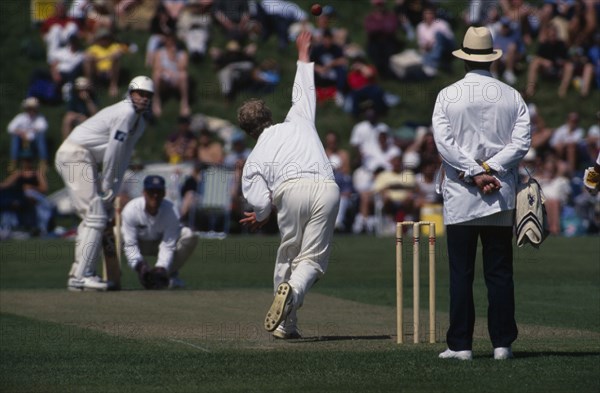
(106,139)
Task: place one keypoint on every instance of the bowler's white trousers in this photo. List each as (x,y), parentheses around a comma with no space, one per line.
(306,212)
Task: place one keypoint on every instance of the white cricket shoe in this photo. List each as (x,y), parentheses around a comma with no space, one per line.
(91,283)
(281,307)
(502,353)
(286,334)
(460,355)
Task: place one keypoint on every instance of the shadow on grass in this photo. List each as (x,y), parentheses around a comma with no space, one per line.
(340,338)
(568,354)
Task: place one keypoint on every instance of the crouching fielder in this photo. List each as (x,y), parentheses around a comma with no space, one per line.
(150,227)
(289,169)
(105,139)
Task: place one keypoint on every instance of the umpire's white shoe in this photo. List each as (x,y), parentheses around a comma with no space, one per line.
(286,334)
(92,283)
(460,355)
(281,307)
(502,353)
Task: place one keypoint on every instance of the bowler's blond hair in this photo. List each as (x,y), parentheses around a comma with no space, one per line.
(254,116)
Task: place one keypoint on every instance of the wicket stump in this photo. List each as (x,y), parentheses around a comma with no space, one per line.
(416,285)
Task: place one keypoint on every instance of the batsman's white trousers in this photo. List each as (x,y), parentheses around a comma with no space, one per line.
(186,244)
(306,212)
(79,171)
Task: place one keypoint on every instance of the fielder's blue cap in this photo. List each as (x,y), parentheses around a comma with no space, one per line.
(154,182)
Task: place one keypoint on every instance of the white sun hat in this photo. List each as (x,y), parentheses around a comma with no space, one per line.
(478,46)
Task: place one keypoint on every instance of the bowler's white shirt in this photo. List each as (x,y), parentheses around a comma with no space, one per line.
(110,135)
(31,125)
(479,119)
(138,225)
(287,151)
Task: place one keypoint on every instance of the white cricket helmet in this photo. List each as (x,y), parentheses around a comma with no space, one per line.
(141,83)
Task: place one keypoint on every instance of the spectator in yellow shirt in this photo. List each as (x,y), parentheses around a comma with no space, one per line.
(102,60)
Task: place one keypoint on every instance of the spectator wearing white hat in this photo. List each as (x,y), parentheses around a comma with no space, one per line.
(28,130)
(81,104)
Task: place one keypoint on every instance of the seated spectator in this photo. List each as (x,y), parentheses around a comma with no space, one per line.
(233,16)
(425,182)
(540,133)
(189,192)
(161,25)
(436,42)
(234,67)
(276,16)
(507,39)
(397,188)
(182,145)
(239,152)
(375,159)
(594,56)
(210,149)
(326,21)
(23,198)
(81,104)
(57,29)
(578,69)
(102,61)
(593,138)
(93,17)
(330,66)
(265,76)
(340,163)
(174,7)
(565,140)
(194,26)
(170,72)
(583,23)
(26,129)
(381,26)
(550,59)
(410,14)
(556,188)
(66,63)
(362,86)
(524,16)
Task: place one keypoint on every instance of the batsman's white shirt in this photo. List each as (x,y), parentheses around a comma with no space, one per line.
(110,136)
(287,151)
(479,119)
(137,225)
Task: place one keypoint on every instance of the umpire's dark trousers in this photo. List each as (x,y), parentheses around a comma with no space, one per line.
(498,272)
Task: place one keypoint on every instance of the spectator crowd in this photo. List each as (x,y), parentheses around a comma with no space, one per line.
(385,174)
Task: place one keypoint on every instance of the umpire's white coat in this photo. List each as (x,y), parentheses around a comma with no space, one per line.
(479,119)
(288,167)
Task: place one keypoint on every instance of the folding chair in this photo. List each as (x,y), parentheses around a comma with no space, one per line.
(211,213)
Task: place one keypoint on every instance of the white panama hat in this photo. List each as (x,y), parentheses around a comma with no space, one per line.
(478,46)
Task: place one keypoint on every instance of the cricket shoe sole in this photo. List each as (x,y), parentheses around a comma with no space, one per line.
(280,308)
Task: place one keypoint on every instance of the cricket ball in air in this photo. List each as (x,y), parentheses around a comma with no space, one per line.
(316,9)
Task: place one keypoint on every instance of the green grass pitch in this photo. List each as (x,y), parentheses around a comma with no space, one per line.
(209,337)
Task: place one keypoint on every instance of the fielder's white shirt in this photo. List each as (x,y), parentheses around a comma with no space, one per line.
(137,225)
(110,135)
(479,119)
(31,125)
(289,150)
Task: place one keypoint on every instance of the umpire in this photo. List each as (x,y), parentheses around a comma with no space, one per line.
(150,227)
(481,129)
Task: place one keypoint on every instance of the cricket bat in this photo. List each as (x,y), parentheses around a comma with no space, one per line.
(111,247)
